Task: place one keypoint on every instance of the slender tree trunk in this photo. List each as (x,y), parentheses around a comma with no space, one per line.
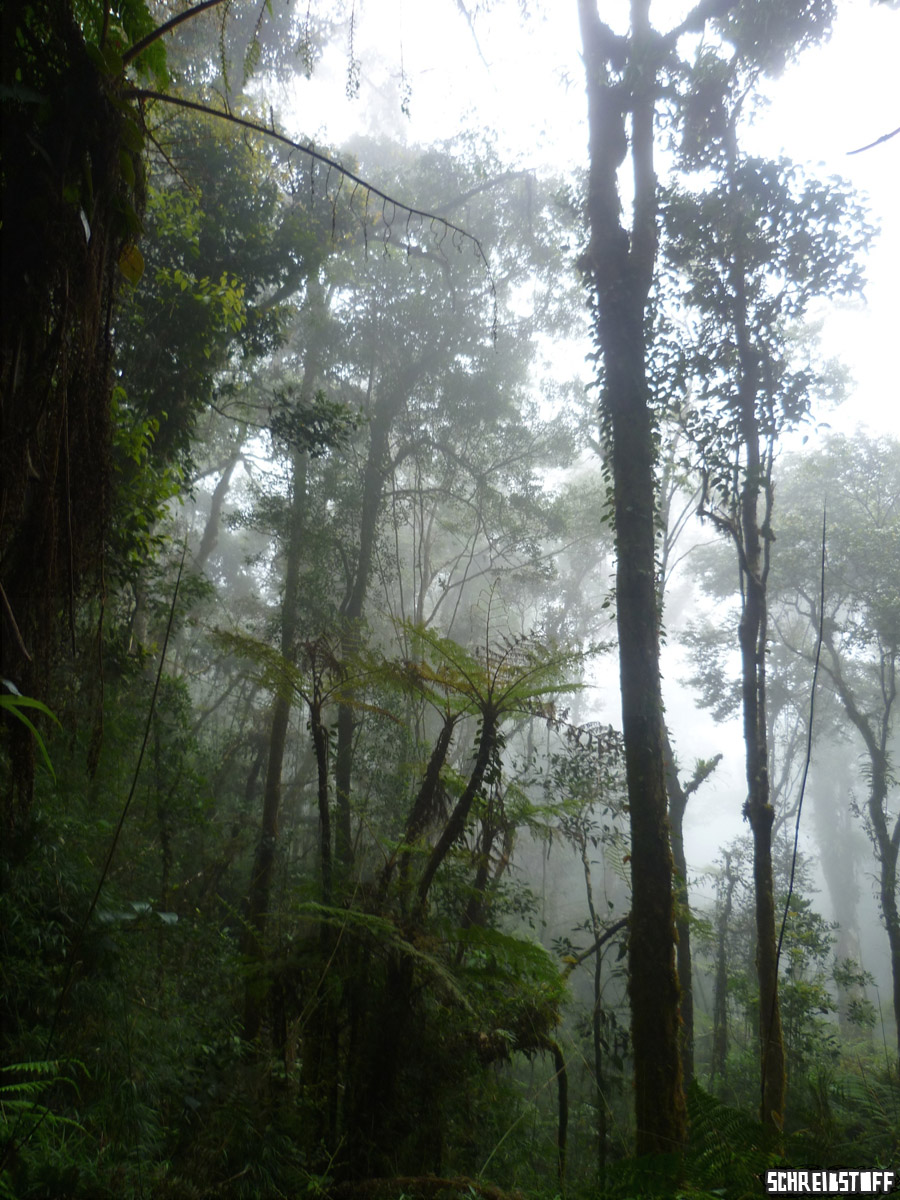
(620,268)
(886,840)
(384,412)
(475,908)
(264,861)
(600,1101)
(420,811)
(888,843)
(892,921)
(678,799)
(562,1109)
(752,540)
(320,745)
(597,1011)
(210,537)
(720,998)
(761,815)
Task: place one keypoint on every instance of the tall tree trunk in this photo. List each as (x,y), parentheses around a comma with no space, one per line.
(752,538)
(387,405)
(886,839)
(888,894)
(678,798)
(320,745)
(264,860)
(835,834)
(210,537)
(761,816)
(597,1010)
(620,267)
(720,996)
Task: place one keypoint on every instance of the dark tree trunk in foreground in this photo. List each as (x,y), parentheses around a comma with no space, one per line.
(620,265)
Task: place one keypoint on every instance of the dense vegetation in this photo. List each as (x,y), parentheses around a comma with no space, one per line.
(321,873)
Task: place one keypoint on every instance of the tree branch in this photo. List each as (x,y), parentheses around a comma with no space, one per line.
(155,34)
(607,934)
(885,137)
(332,164)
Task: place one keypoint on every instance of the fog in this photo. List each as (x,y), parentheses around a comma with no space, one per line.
(329,837)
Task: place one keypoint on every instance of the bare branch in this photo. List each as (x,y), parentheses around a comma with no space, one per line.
(885,137)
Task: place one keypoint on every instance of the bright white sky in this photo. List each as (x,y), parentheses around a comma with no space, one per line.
(531,91)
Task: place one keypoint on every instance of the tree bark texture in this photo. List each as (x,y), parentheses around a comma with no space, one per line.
(752,636)
(420,811)
(620,268)
(678,799)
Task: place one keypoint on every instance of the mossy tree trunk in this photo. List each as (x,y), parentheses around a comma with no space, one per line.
(619,264)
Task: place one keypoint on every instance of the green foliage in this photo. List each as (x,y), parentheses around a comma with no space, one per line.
(114,28)
(728,1151)
(516,676)
(41,1149)
(12,702)
(218,241)
(767,34)
(797,238)
(143,489)
(847,1110)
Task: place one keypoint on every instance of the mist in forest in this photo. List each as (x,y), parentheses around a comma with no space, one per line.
(450,563)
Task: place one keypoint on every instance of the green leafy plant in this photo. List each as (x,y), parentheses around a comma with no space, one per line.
(14,703)
(29,1128)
